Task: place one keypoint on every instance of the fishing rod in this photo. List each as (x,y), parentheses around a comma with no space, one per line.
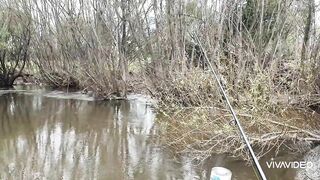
(243,135)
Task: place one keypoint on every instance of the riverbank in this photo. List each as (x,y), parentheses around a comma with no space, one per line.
(201,132)
(197,122)
(194,119)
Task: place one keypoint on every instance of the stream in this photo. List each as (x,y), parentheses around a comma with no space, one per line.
(46,134)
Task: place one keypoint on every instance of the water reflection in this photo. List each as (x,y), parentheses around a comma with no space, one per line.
(59,135)
(42,137)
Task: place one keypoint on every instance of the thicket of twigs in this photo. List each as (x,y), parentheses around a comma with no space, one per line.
(267,53)
(203,131)
(196,121)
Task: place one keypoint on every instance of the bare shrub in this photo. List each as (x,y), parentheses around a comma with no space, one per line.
(15,36)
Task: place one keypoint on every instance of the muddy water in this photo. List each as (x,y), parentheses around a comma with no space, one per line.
(59,135)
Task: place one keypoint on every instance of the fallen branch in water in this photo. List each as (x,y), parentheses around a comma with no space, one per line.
(296,128)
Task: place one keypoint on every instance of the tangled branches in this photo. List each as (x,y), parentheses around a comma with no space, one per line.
(200,132)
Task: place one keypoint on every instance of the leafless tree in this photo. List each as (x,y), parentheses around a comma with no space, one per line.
(15,36)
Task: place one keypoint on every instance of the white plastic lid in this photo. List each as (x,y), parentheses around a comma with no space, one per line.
(220,173)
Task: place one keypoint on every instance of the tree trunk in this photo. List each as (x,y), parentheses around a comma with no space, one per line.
(6,82)
(307,32)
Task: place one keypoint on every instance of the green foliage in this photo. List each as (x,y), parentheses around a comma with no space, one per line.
(259,91)
(191,8)
(252,12)
(3,45)
(193,12)
(4,34)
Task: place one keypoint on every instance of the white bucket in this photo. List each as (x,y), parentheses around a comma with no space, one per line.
(220,173)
